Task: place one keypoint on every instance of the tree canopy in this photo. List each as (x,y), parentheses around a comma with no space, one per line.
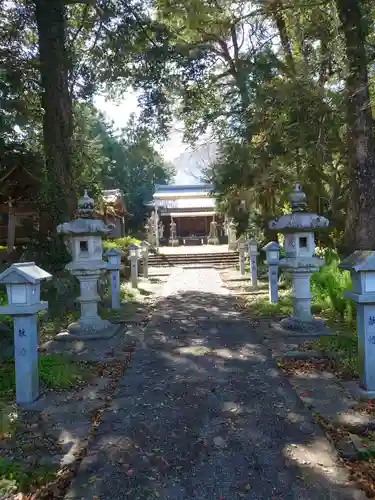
(285,87)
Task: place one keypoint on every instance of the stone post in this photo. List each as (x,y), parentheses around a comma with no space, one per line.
(23,289)
(156,227)
(145,249)
(361,265)
(300,259)
(241,255)
(114,263)
(253,253)
(232,236)
(134,258)
(272,250)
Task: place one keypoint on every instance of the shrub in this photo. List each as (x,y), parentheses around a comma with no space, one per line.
(328,288)
(121,243)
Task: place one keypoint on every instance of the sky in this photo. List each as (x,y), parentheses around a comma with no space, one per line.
(119,113)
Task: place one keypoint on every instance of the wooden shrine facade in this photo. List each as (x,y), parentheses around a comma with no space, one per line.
(191,207)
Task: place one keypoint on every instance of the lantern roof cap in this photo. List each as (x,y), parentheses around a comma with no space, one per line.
(271,246)
(112,252)
(360,260)
(23,272)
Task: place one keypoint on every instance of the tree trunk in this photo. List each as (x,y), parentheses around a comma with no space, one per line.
(57,105)
(360,227)
(277,9)
(11,238)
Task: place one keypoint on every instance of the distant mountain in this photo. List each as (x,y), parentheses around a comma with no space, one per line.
(190,165)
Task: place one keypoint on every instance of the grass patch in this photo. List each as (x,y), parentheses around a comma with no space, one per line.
(344,347)
(55,372)
(15,477)
(130,300)
(259,305)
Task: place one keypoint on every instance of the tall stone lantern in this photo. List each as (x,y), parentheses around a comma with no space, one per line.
(300,260)
(84,236)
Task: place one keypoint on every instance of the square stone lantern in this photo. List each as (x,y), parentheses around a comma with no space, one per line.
(23,289)
(272,250)
(134,256)
(361,265)
(252,247)
(114,263)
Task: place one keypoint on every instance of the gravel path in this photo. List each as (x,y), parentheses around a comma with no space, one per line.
(203,414)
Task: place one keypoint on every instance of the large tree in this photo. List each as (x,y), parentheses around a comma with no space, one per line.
(360,229)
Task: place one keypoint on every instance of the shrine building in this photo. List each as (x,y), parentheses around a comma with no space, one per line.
(191,207)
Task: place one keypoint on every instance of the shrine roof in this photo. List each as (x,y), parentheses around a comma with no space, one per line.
(184,203)
(174,190)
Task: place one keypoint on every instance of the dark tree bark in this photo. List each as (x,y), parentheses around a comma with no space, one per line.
(57,105)
(277,10)
(360,227)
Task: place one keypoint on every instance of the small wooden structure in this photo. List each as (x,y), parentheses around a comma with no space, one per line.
(114,211)
(19,216)
(19,191)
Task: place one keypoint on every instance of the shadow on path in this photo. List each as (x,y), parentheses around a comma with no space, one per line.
(203,414)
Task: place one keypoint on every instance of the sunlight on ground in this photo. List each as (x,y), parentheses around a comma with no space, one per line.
(244,354)
(317,455)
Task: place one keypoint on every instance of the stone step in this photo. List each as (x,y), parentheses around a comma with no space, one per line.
(158,261)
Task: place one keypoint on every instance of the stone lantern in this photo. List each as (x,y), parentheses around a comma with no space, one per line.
(252,248)
(23,289)
(361,265)
(114,266)
(272,250)
(85,241)
(300,261)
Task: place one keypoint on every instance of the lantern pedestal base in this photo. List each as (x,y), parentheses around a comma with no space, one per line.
(302,326)
(101,329)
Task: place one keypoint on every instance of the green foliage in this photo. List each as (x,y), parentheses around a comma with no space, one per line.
(55,372)
(16,477)
(344,347)
(328,288)
(259,305)
(121,243)
(48,252)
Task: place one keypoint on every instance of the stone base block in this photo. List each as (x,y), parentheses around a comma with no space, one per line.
(213,241)
(314,326)
(174,243)
(101,329)
(359,392)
